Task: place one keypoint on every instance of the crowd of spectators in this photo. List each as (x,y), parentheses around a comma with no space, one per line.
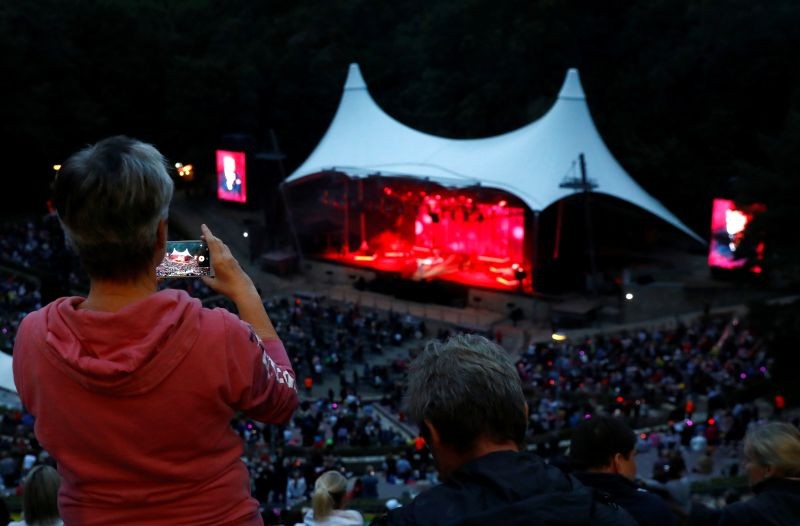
(18,296)
(655,378)
(633,373)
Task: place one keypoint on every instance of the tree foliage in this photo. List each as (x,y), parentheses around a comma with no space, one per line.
(696,98)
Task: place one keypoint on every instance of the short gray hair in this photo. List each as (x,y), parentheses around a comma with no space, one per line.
(467,387)
(110,198)
(776,444)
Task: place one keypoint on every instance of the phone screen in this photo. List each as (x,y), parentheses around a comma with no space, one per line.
(185,259)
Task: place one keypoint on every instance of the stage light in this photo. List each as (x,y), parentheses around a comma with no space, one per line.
(56,167)
(178,165)
(502,203)
(558,337)
(628,296)
(518,232)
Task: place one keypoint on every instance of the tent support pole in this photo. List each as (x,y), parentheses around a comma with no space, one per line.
(559,220)
(587,201)
(346,240)
(362,219)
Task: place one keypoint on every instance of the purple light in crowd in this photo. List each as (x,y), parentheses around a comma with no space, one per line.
(743,376)
(762,368)
(334,405)
(587,416)
(689,422)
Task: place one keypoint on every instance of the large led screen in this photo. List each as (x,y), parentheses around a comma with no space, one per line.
(231,176)
(734,244)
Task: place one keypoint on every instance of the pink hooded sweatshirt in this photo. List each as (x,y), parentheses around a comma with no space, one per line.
(136,405)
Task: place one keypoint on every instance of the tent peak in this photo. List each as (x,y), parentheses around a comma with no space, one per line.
(354,78)
(572,89)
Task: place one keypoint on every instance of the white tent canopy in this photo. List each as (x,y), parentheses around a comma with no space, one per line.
(530,162)
(6,373)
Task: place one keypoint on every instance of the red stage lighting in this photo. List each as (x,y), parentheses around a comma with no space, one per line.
(451,236)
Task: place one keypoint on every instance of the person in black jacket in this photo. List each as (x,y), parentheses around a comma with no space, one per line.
(467,399)
(603,450)
(772,462)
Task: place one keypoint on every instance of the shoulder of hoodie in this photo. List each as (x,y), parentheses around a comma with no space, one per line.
(39,316)
(230,322)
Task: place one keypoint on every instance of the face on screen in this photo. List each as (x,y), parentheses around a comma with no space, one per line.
(231,176)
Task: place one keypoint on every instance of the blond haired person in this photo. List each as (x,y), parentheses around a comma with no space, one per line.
(772,463)
(327,503)
(40,498)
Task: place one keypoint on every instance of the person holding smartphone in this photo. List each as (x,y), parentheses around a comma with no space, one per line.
(133,389)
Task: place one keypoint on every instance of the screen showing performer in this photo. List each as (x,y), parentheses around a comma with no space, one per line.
(734,243)
(231,176)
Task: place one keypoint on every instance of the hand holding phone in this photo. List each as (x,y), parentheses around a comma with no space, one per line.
(229,278)
(185,259)
(232,281)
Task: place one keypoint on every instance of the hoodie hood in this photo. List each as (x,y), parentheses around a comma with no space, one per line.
(123,353)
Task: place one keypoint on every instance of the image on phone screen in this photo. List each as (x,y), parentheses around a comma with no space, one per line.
(185,259)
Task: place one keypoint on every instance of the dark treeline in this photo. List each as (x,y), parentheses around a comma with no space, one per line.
(696,98)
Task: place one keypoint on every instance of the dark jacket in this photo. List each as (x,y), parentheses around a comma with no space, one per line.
(508,488)
(646,508)
(777,503)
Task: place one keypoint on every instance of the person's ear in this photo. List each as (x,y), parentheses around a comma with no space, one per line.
(616,462)
(433,438)
(161,242)
(161,235)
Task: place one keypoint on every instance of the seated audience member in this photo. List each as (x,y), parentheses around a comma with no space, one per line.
(467,399)
(328,502)
(40,498)
(772,463)
(370,484)
(295,489)
(134,389)
(603,451)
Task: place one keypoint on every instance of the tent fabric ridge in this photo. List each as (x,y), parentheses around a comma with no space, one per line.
(524,162)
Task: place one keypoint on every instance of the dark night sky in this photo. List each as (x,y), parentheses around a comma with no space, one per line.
(695,98)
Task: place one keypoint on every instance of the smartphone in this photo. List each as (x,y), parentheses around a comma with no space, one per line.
(185,259)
